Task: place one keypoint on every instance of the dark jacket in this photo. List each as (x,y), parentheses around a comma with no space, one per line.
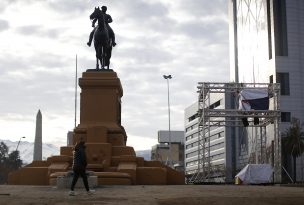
(79,156)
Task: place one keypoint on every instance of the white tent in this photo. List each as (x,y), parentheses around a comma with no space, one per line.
(255,174)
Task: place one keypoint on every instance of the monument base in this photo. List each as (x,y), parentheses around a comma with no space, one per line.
(112,162)
(65,182)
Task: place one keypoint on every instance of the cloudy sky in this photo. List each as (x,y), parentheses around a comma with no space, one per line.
(39,40)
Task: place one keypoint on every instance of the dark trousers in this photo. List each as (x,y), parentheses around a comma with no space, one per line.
(80,172)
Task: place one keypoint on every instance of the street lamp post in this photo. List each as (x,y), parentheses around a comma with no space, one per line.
(167,77)
(19,143)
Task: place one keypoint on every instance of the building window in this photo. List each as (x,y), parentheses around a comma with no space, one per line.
(192,154)
(192,163)
(280,27)
(193,117)
(189,137)
(221,134)
(283,79)
(217,156)
(217,146)
(192,127)
(214,105)
(192,145)
(195,135)
(285,117)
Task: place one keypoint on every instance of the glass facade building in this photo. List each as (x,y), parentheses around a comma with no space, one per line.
(267,46)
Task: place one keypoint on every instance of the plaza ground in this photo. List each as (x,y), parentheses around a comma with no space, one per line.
(156,195)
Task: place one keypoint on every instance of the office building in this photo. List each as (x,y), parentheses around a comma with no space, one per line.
(161,151)
(218,149)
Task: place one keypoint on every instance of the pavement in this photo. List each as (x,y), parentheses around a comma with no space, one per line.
(154,195)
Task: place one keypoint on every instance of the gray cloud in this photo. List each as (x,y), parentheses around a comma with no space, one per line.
(211,30)
(51,61)
(10,62)
(36,82)
(4,25)
(4,4)
(201,8)
(25,1)
(150,44)
(29,30)
(140,10)
(39,30)
(144,16)
(69,7)
(146,55)
(35,93)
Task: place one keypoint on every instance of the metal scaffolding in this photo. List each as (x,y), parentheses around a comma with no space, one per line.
(209,117)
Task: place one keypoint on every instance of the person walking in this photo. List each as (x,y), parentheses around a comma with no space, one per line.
(79,167)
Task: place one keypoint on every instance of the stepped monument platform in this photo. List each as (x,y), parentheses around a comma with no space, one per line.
(110,161)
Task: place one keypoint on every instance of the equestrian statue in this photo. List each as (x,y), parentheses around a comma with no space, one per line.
(104,37)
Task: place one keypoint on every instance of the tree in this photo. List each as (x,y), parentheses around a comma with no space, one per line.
(3,152)
(293,142)
(8,162)
(14,160)
(3,162)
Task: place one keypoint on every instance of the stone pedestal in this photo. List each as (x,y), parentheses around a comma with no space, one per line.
(100,108)
(100,117)
(100,102)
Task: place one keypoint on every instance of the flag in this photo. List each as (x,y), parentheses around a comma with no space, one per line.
(253,99)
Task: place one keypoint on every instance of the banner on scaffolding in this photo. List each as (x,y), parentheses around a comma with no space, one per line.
(254,99)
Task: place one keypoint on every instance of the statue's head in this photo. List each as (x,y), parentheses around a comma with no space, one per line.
(104,8)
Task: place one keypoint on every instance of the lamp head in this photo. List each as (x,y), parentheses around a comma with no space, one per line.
(167,76)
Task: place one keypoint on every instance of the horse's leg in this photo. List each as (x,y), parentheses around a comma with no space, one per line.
(106,58)
(102,58)
(102,61)
(96,51)
(108,61)
(109,53)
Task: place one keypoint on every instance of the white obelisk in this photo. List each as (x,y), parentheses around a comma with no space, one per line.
(38,138)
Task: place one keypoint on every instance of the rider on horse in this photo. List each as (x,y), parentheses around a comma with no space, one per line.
(108,19)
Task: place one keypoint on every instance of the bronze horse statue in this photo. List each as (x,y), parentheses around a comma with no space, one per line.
(102,41)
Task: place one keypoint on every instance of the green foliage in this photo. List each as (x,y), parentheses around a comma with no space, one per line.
(293,142)
(3,151)
(8,162)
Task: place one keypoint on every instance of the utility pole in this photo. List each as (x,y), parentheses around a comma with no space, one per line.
(19,143)
(75,94)
(167,77)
